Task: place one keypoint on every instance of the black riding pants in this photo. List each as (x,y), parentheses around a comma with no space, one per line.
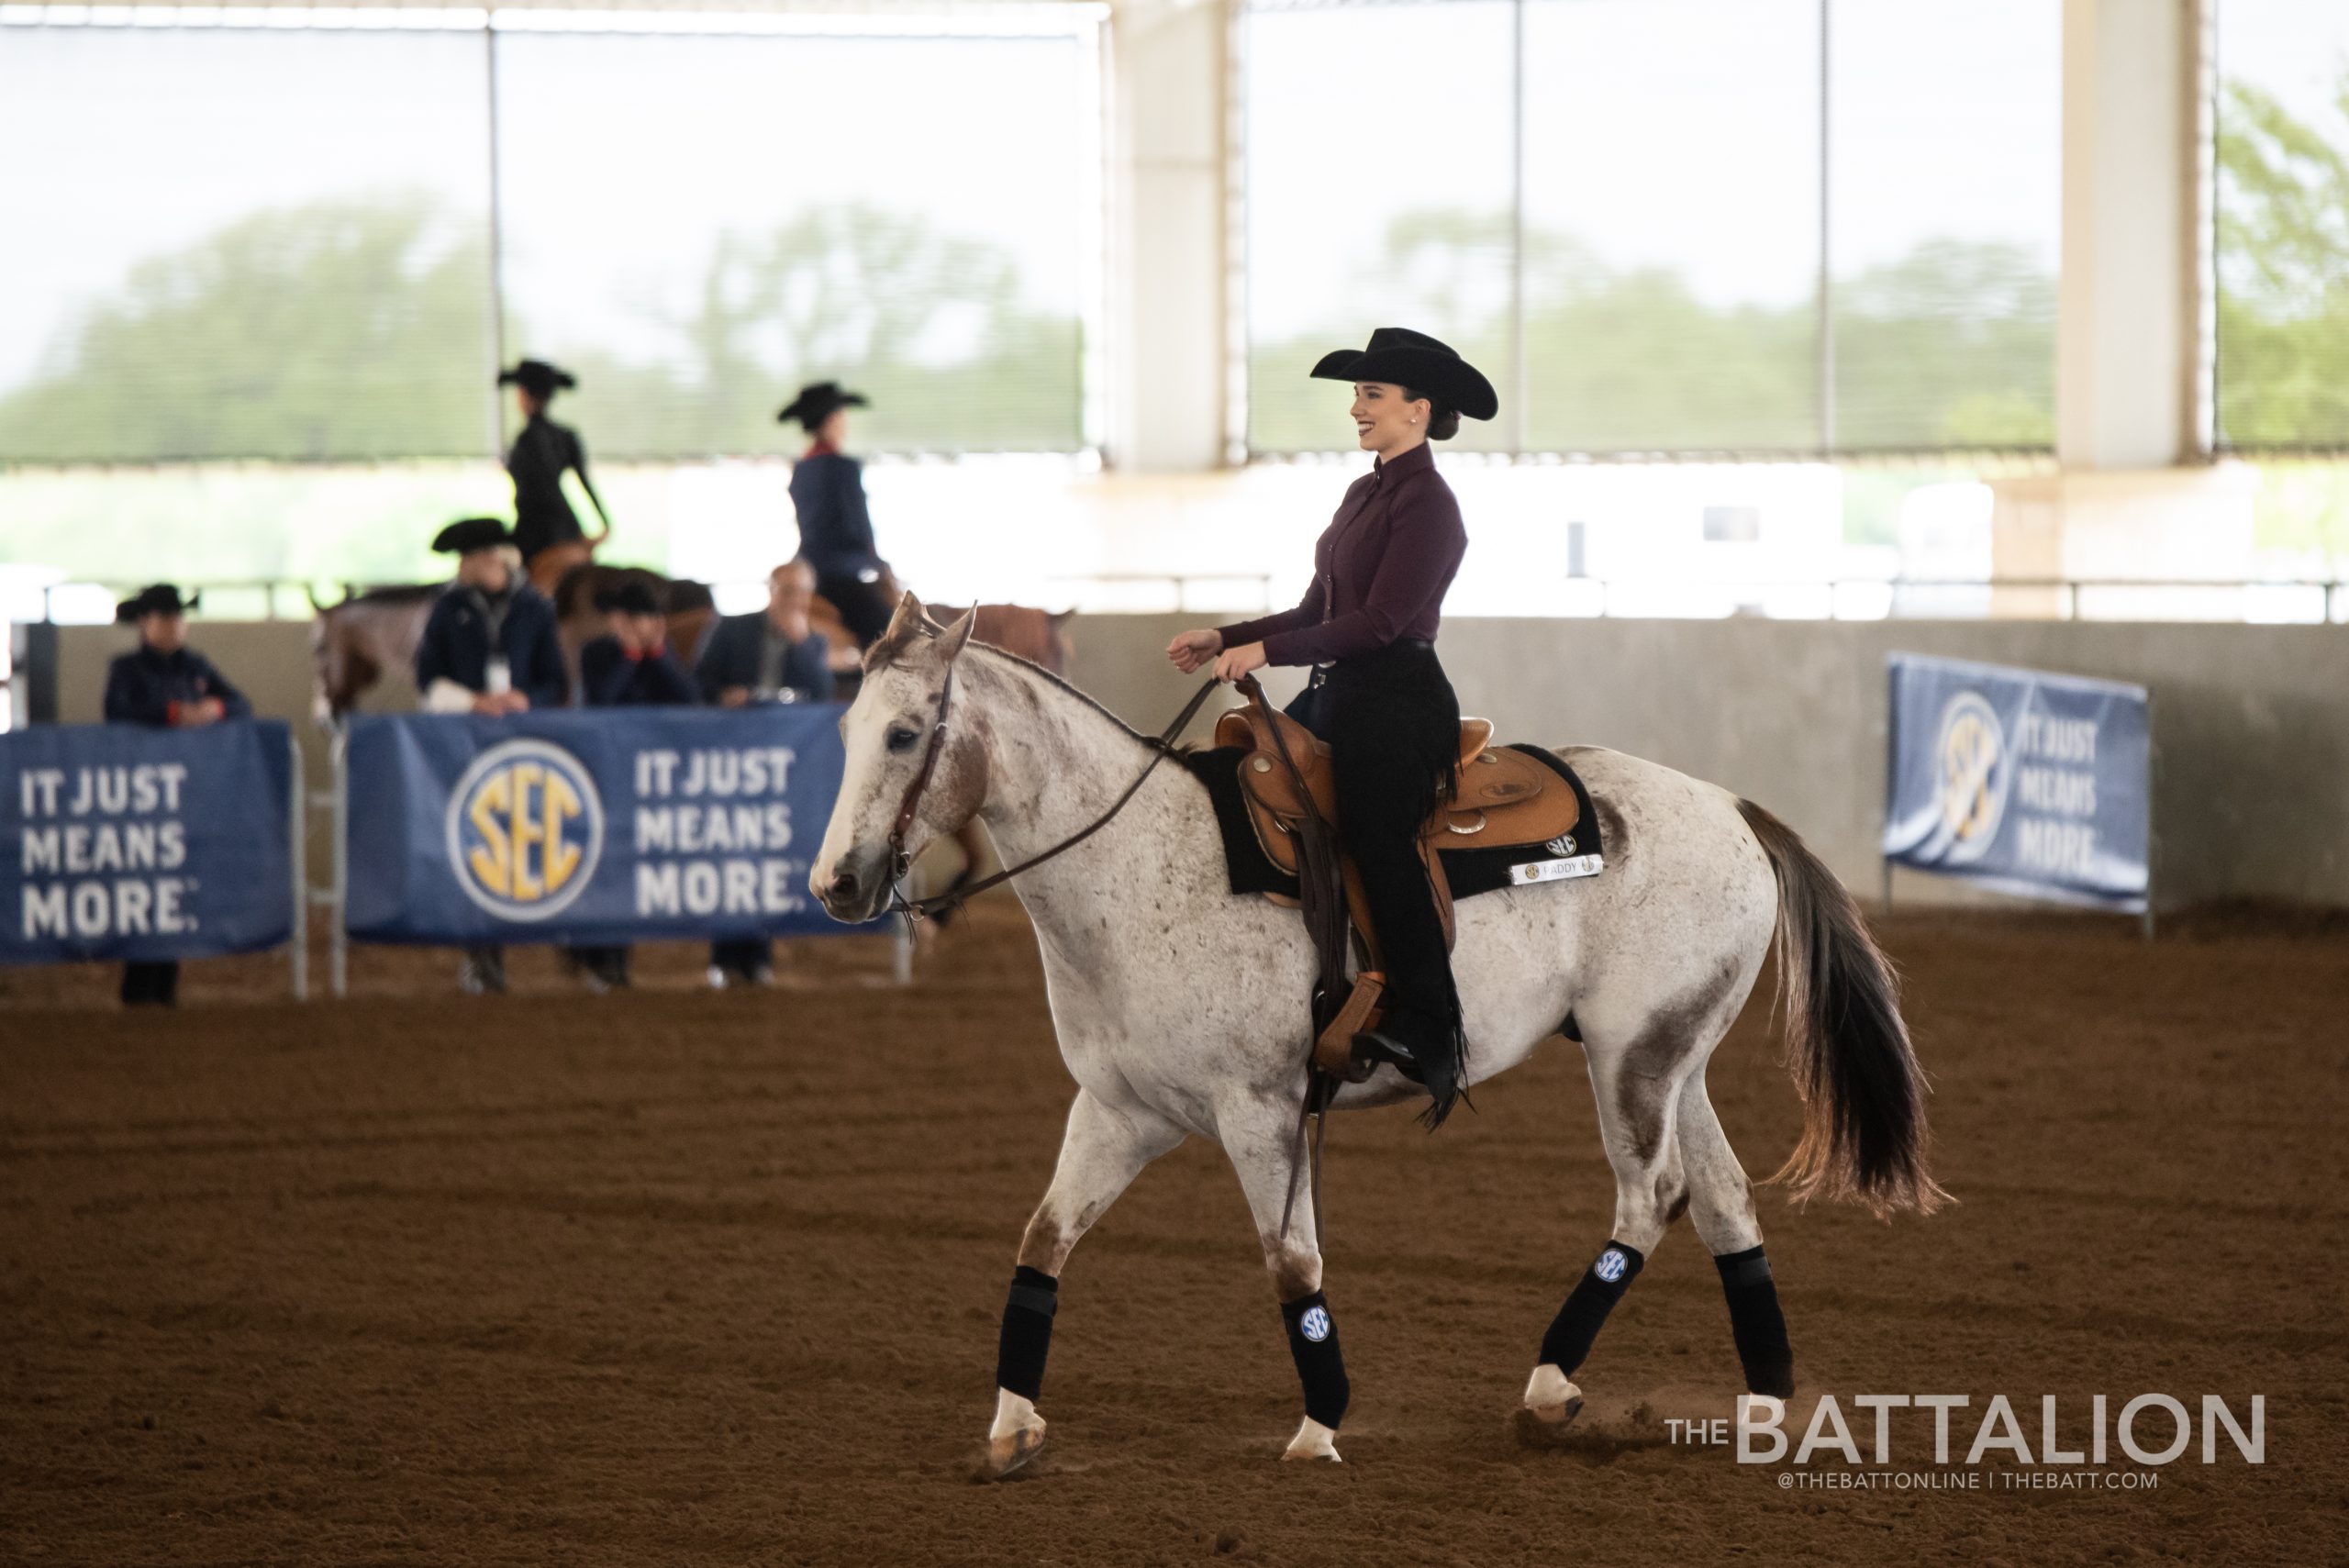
(1393,725)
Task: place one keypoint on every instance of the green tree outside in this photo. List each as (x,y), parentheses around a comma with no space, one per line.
(357,330)
(1952,345)
(304,333)
(2283,273)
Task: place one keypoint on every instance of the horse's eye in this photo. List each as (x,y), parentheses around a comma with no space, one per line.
(902,738)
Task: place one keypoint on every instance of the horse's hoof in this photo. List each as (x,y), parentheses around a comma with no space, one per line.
(1006,1451)
(1313,1441)
(1550,1407)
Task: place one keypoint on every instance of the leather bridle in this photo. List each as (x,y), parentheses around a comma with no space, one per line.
(900,862)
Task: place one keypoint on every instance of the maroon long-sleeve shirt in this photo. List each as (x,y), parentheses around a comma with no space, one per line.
(1380,569)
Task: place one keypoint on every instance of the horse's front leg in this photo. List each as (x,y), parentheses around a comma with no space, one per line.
(1262,1138)
(1103,1150)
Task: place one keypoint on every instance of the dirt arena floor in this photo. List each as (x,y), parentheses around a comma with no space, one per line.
(676,1277)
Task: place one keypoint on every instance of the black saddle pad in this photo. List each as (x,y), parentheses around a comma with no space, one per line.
(1470,870)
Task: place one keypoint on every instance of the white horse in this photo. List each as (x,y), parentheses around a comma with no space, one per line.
(1167,1033)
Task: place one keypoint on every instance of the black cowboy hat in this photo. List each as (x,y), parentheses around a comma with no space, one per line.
(630,599)
(819,401)
(537,378)
(159,599)
(469,534)
(1406,357)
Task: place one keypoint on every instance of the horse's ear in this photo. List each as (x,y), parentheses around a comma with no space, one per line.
(951,642)
(907,626)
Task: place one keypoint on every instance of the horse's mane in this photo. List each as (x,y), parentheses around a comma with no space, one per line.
(1064,684)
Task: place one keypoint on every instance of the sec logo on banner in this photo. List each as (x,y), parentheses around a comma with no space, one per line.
(1976,772)
(526,829)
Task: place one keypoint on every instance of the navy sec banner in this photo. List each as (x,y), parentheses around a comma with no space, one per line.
(2019,780)
(618,825)
(141,845)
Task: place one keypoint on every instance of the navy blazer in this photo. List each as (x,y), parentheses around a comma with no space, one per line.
(148,688)
(835,526)
(730,658)
(608,677)
(456,644)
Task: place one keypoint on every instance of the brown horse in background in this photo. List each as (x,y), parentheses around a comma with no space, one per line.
(354,643)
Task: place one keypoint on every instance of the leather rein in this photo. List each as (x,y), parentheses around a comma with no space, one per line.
(955,898)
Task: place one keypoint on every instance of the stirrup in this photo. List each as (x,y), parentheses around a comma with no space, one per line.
(1375,1046)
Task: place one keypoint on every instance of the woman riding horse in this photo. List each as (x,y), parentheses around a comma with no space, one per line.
(546,529)
(1378,696)
(835,523)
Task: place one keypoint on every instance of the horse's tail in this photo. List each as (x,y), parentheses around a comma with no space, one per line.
(1864,1095)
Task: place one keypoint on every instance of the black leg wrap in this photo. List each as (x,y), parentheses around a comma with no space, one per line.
(1027,1332)
(1754,1318)
(1320,1365)
(1595,1294)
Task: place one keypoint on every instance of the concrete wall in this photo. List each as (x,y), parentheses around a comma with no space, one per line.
(2251,724)
(269,662)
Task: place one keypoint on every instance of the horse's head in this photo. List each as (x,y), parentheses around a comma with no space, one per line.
(905,782)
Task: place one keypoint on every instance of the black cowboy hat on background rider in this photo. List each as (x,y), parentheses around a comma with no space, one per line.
(542,452)
(819,401)
(537,378)
(835,522)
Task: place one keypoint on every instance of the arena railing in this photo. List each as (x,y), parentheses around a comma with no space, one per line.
(2304,600)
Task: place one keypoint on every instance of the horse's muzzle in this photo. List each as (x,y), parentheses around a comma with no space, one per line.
(857,887)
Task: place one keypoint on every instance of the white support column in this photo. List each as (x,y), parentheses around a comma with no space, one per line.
(2133,498)
(1166,224)
(2124,346)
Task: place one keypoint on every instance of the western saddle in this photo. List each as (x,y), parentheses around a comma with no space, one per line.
(1505,799)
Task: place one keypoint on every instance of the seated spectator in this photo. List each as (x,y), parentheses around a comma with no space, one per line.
(489,647)
(770,655)
(629,666)
(166,684)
